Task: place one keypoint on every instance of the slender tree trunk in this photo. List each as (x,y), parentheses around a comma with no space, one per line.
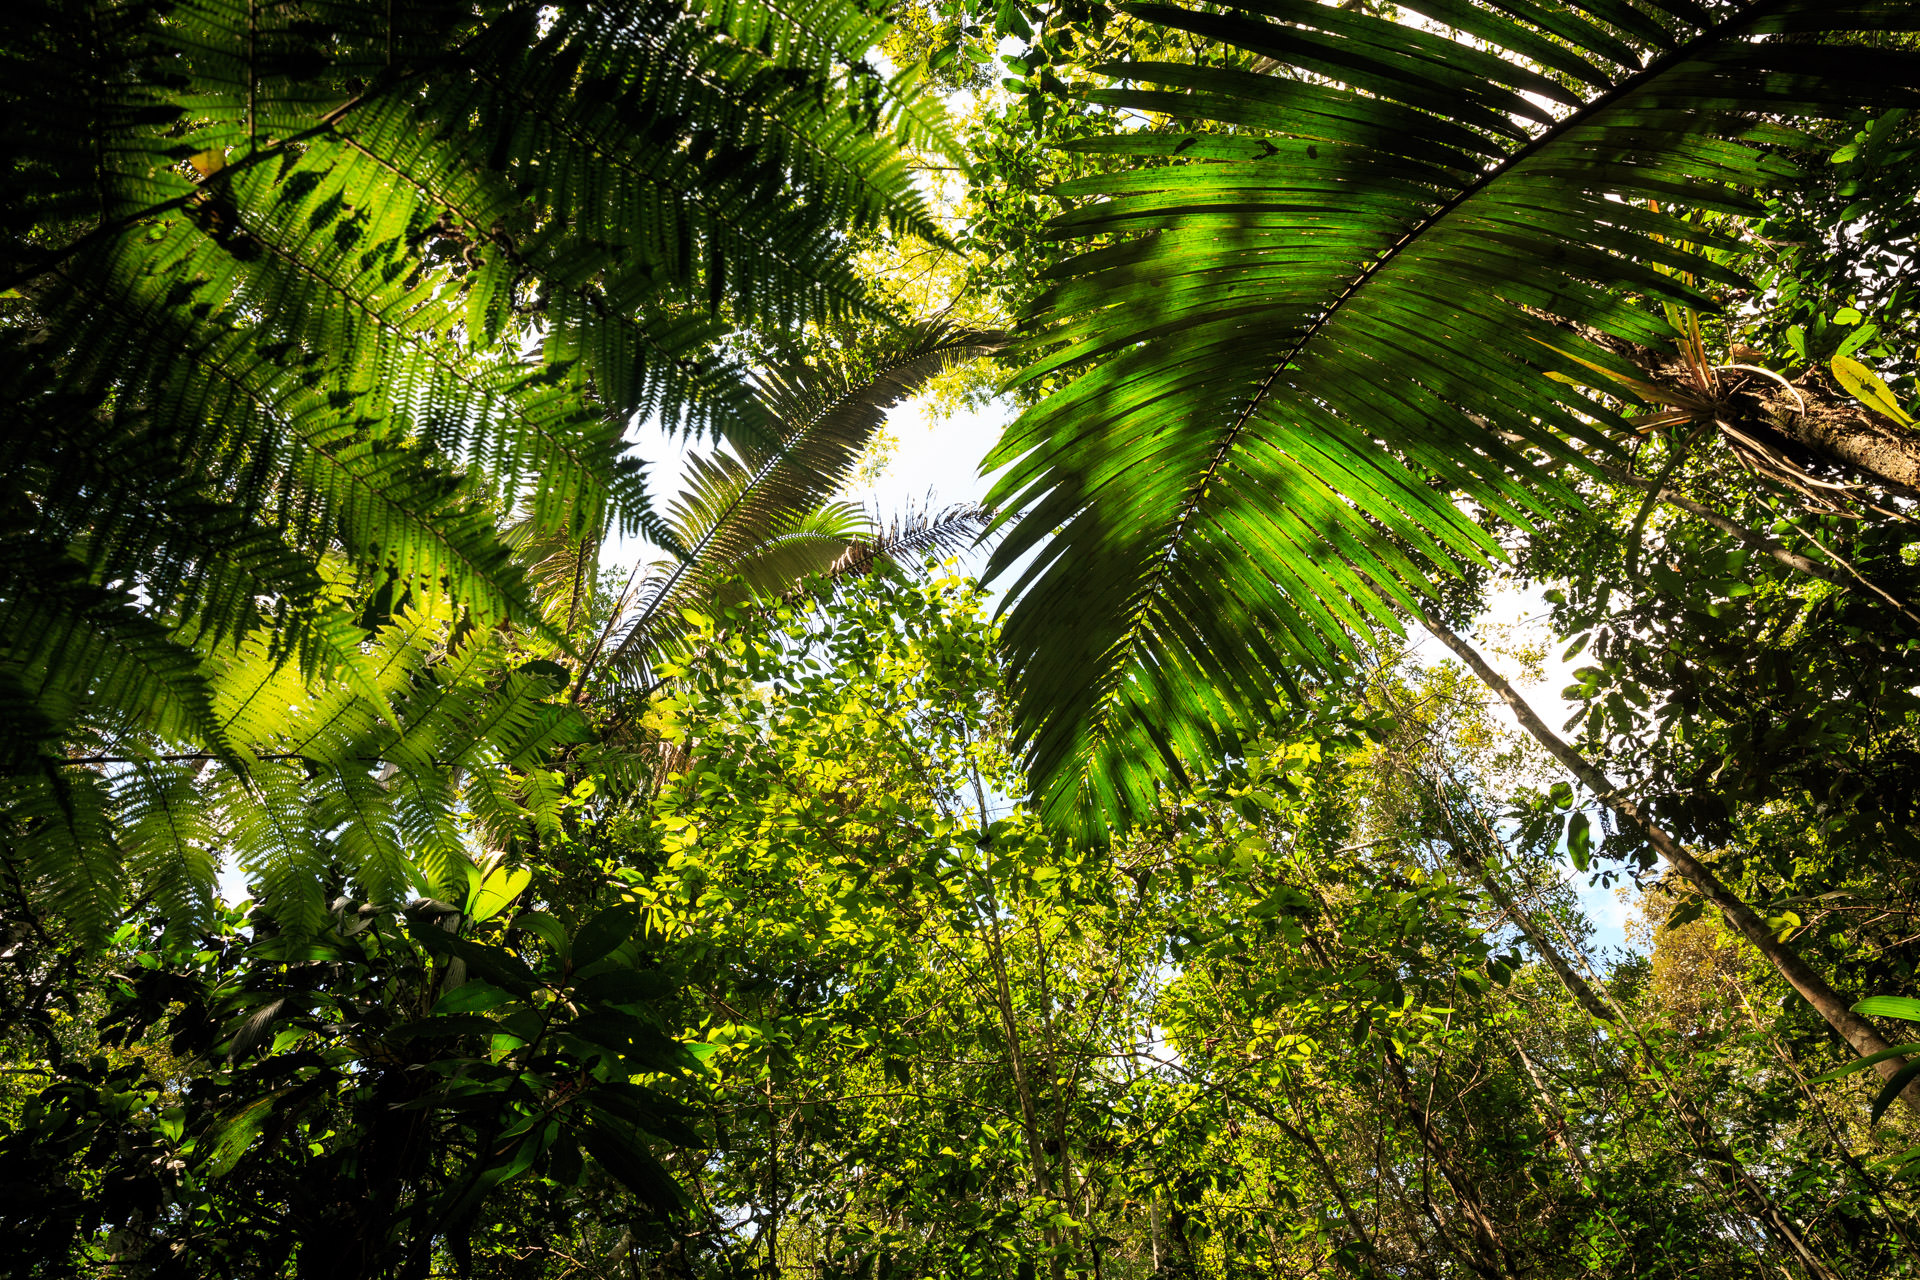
(1304,1139)
(1022,1080)
(1834,1134)
(1726,1167)
(1752,539)
(1490,1250)
(1575,984)
(1153,1227)
(773,1180)
(1490,1257)
(1403,1199)
(1862,1035)
(1064,1180)
(1551,1112)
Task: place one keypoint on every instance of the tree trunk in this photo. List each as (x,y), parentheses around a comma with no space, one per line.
(1862,1035)
(1846,435)
(1575,984)
(1490,1251)
(1022,1082)
(1815,422)
(1304,1139)
(1752,539)
(1721,1163)
(1842,574)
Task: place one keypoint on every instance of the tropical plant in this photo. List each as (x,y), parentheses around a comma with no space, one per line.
(306,307)
(760,517)
(1313,332)
(440,739)
(346,1101)
(1335,1015)
(1326,339)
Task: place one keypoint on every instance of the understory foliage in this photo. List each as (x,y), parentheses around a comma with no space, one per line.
(831,1000)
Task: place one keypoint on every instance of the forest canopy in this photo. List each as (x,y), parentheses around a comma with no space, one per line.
(480,795)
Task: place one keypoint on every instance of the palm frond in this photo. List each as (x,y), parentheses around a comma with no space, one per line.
(757,518)
(1310,337)
(910,538)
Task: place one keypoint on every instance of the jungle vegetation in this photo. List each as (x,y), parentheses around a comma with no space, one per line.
(684,872)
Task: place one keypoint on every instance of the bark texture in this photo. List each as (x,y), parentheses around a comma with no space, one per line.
(1845,435)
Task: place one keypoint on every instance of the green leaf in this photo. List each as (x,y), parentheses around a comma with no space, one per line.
(646,1109)
(1864,385)
(294,362)
(471,997)
(1890,1007)
(1861,1064)
(757,517)
(605,931)
(235,1132)
(1891,1090)
(491,896)
(1579,841)
(544,927)
(443,1026)
(623,1153)
(623,986)
(1304,332)
(1689,910)
(496,964)
(1858,338)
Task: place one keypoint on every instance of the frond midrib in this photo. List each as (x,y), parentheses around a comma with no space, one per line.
(1575,119)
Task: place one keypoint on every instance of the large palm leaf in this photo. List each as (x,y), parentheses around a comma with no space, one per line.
(1313,332)
(758,517)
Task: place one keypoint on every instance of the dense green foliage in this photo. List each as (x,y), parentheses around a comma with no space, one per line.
(1366,309)
(307,302)
(756,901)
(1296,1028)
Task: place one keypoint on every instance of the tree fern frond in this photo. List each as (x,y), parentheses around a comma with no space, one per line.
(911,538)
(266,820)
(1305,337)
(60,842)
(89,651)
(302,302)
(169,839)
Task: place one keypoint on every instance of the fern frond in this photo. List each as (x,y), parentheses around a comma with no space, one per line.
(302,301)
(910,539)
(61,844)
(169,838)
